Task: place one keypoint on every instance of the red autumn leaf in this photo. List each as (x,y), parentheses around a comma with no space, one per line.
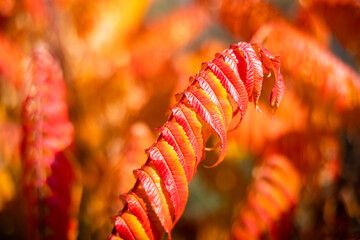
(174,134)
(277,92)
(210,113)
(48,173)
(130,227)
(172,174)
(273,193)
(231,82)
(156,226)
(138,208)
(123,228)
(212,86)
(188,121)
(150,181)
(254,71)
(331,81)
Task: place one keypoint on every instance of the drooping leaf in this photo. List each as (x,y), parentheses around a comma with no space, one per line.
(277,92)
(271,65)
(254,71)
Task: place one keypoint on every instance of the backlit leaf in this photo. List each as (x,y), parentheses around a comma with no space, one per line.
(138,208)
(210,113)
(151,183)
(211,85)
(172,174)
(174,134)
(231,82)
(188,121)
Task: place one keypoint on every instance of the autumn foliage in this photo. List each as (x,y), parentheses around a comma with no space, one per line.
(161,193)
(94,145)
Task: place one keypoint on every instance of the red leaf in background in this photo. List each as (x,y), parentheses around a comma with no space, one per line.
(48,174)
(244,17)
(7,7)
(273,195)
(343,19)
(333,83)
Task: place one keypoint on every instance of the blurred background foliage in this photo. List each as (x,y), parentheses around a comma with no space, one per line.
(122,63)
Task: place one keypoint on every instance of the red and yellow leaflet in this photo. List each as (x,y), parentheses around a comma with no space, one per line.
(172,174)
(210,113)
(174,134)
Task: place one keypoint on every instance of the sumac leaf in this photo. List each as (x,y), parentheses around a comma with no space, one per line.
(130,227)
(188,121)
(151,183)
(210,113)
(174,134)
(231,82)
(172,174)
(138,208)
(212,86)
(254,71)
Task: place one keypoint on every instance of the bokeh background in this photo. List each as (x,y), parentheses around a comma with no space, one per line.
(122,63)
